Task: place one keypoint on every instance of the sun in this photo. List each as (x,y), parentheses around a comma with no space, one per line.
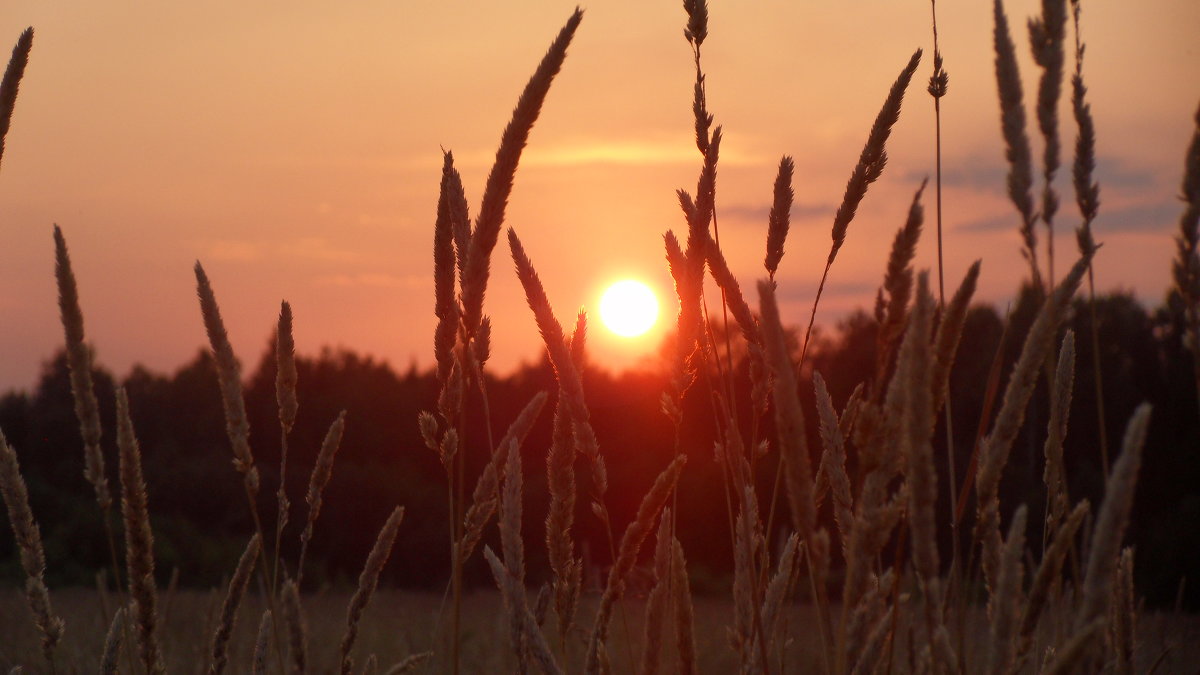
(628,308)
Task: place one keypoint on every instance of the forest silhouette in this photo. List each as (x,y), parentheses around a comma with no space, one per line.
(199,520)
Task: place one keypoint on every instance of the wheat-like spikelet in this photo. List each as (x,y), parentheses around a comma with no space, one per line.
(514,599)
(789,417)
(297,627)
(779,218)
(560,479)
(748,543)
(486,494)
(556,347)
(1123,615)
(322,470)
(873,157)
(1087,191)
(1005,600)
(913,364)
(631,543)
(1054,474)
(1012,125)
(939,81)
(79,360)
(993,451)
(1186,267)
(688,278)
(697,26)
(511,545)
(445,306)
(112,644)
(500,180)
(510,515)
(949,331)
(229,607)
(229,375)
(1112,521)
(1087,198)
(258,665)
(685,631)
(29,543)
(657,602)
(891,302)
(139,541)
(481,346)
(1049,569)
(286,379)
(732,292)
(700,214)
(12,81)
(695,32)
(458,213)
(285,376)
(367,581)
(775,598)
(833,462)
(869,168)
(1046,36)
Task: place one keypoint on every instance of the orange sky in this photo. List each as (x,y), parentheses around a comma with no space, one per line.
(294,149)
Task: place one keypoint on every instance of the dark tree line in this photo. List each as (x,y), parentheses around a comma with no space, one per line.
(201,520)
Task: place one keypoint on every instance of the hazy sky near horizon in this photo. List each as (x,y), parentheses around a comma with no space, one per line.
(295,150)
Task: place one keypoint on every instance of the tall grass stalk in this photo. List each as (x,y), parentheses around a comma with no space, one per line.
(11,82)
(869,168)
(139,541)
(87,408)
(475,265)
(237,427)
(939,83)
(33,556)
(368,580)
(1047,34)
(1012,126)
(285,395)
(994,449)
(1087,197)
(1186,269)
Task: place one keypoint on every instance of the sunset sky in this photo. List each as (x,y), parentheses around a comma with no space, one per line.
(295,150)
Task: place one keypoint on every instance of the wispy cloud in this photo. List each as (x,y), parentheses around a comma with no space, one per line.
(758,213)
(1007,220)
(989,175)
(372,279)
(1157,216)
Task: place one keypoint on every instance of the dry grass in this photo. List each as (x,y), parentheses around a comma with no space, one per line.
(900,612)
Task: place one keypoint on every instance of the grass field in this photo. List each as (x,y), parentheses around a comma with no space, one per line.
(400,623)
(836,558)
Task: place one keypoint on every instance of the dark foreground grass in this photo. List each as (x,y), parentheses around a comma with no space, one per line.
(400,623)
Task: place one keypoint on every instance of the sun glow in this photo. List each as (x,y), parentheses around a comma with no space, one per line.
(628,308)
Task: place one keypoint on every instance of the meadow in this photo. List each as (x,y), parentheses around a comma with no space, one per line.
(836,509)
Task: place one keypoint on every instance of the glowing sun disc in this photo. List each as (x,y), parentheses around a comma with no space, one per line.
(628,308)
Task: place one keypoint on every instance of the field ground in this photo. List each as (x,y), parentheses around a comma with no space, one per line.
(399,623)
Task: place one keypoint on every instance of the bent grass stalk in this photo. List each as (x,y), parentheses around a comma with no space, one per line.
(869,168)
